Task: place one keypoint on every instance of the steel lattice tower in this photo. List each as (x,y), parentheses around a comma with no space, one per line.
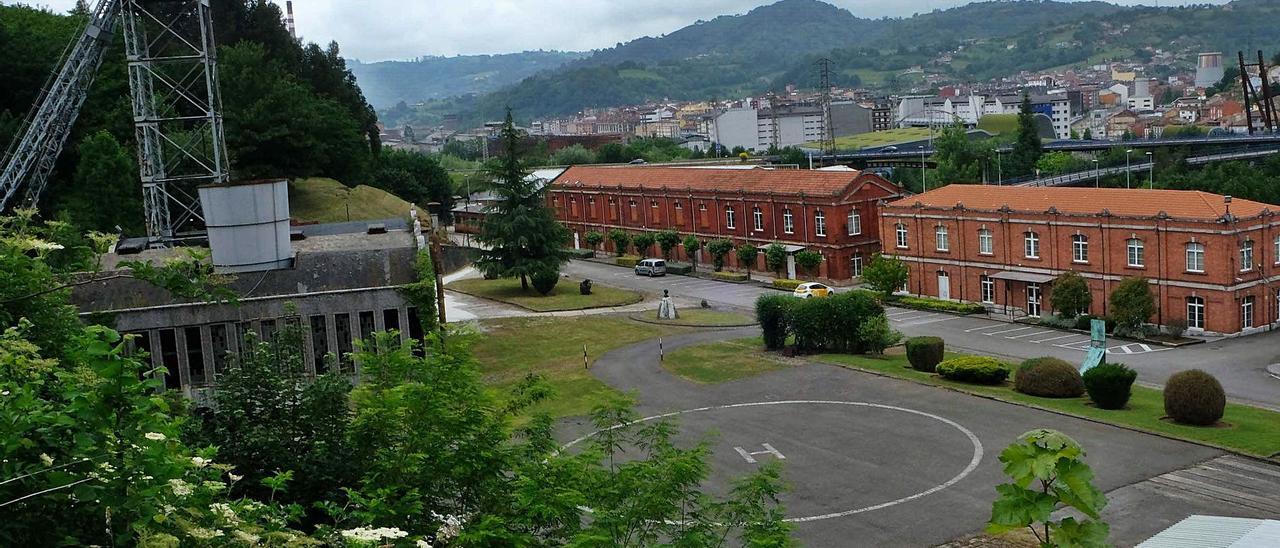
(177,110)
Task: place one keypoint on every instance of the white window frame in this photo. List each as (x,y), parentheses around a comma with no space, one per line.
(1196,250)
(1135,253)
(856,265)
(678,206)
(728,218)
(1276,252)
(819,223)
(988,290)
(1246,256)
(757,216)
(788,222)
(1195,312)
(1031,244)
(1247,310)
(900,231)
(986,244)
(941,238)
(855,223)
(1079,248)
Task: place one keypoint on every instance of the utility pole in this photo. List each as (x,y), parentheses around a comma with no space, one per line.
(1127,152)
(1151,172)
(828,132)
(924,185)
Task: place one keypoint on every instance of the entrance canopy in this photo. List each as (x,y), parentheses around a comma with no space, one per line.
(1023,277)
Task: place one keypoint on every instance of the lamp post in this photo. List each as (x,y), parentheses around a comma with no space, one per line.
(999,171)
(924,185)
(1097,173)
(1127,152)
(1151,171)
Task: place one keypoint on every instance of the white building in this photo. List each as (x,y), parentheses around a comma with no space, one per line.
(915,111)
(754,129)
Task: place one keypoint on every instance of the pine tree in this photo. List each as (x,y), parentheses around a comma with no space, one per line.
(105,168)
(520,232)
(1026,147)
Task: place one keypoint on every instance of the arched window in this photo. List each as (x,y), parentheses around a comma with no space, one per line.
(985,245)
(1137,253)
(1031,245)
(940,238)
(1195,257)
(1080,248)
(901,230)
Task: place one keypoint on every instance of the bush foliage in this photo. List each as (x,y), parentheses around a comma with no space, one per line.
(833,324)
(974,369)
(786,284)
(627,260)
(1194,397)
(773,312)
(925,353)
(1109,385)
(1048,378)
(939,305)
(1132,304)
(545,280)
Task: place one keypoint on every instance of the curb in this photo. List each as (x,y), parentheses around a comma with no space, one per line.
(535,311)
(1274,459)
(676,323)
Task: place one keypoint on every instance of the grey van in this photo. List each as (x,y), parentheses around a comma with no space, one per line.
(651,268)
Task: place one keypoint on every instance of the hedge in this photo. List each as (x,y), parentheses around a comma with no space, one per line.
(580,253)
(833,324)
(939,305)
(925,353)
(774,314)
(627,260)
(730,276)
(974,369)
(786,284)
(679,268)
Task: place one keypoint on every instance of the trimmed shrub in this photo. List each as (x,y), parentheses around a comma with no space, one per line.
(545,280)
(1048,378)
(789,285)
(834,324)
(925,353)
(974,369)
(773,312)
(1194,397)
(939,305)
(580,253)
(1109,385)
(628,261)
(719,249)
(730,276)
(679,268)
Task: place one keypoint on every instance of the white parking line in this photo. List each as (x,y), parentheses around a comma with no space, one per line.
(996,326)
(994,333)
(1056,338)
(1028,335)
(911,317)
(902,313)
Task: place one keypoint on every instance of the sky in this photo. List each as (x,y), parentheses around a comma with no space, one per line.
(376,30)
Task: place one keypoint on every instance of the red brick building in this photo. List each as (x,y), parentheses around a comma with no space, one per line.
(1212,262)
(830,212)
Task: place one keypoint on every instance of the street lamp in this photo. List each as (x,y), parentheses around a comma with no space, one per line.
(924,185)
(1097,173)
(999,171)
(1127,152)
(1151,170)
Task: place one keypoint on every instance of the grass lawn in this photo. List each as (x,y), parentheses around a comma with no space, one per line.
(1252,430)
(326,201)
(698,317)
(722,361)
(882,138)
(552,347)
(565,296)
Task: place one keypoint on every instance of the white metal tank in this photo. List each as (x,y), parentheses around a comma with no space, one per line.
(248,225)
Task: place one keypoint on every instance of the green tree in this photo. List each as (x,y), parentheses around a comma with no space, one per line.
(1048,471)
(1026,146)
(885,274)
(414,177)
(719,249)
(1070,296)
(520,231)
(775,258)
(620,240)
(105,168)
(691,246)
(809,261)
(959,159)
(593,239)
(667,241)
(1088,134)
(1054,163)
(747,257)
(1132,304)
(573,155)
(644,243)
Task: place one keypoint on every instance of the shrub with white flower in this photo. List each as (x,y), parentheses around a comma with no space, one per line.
(155,436)
(373,534)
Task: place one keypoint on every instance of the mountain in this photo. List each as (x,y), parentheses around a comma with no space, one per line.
(778,44)
(389,82)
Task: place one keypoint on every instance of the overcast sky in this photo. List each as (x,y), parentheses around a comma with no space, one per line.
(374,30)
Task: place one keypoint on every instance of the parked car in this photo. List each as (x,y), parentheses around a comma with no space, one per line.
(651,268)
(809,290)
(889,148)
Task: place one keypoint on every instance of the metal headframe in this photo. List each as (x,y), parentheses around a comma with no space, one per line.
(177,110)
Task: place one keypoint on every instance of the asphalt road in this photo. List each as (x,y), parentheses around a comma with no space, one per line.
(876,461)
(1238,363)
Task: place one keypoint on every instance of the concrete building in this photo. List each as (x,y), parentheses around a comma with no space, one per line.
(1209,69)
(1211,262)
(831,212)
(918,111)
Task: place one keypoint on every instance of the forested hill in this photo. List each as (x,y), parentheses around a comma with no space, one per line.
(387,83)
(290,109)
(774,45)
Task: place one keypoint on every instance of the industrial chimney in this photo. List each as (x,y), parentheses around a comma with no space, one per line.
(288,18)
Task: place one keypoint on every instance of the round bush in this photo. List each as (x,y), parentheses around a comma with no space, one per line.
(545,280)
(974,369)
(1048,378)
(1194,397)
(1109,385)
(925,353)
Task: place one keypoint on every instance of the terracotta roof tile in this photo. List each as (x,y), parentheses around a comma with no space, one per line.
(1138,202)
(779,181)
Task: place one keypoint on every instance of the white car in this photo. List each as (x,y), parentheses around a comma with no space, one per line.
(809,290)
